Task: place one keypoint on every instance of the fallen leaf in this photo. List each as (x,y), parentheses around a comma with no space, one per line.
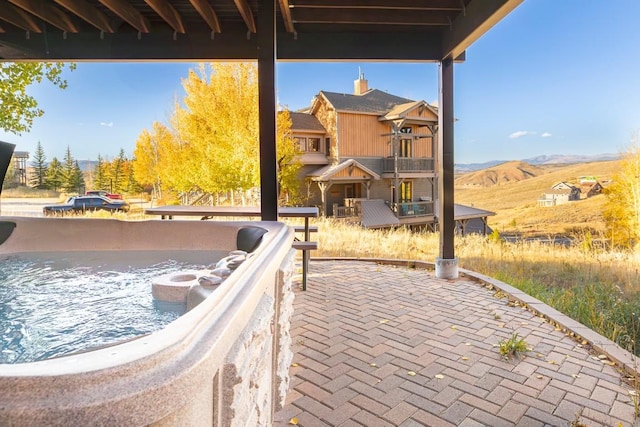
(294,365)
(524,323)
(464,358)
(454,327)
(373,365)
(602,356)
(575,375)
(384,321)
(552,362)
(439,376)
(467,343)
(539,376)
(293,421)
(411,374)
(540,355)
(633,393)
(585,342)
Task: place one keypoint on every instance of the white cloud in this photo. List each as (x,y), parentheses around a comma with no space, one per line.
(521,133)
(545,135)
(107,124)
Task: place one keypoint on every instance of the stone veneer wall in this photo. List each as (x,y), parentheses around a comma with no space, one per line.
(255,378)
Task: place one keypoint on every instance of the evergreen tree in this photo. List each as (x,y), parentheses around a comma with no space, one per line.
(39,164)
(77,179)
(101,175)
(118,172)
(68,172)
(54,177)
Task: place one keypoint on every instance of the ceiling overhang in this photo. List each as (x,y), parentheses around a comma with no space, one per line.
(192,30)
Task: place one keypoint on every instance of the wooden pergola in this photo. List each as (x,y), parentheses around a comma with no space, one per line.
(267,31)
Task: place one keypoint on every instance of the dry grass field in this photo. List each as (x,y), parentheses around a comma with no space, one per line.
(515,202)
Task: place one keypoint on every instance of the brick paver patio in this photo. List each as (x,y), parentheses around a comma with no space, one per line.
(378,345)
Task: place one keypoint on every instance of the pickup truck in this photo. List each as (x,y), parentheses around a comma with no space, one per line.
(81,204)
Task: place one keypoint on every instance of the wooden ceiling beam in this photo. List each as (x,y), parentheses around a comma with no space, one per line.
(17,17)
(444,5)
(168,13)
(48,13)
(208,14)
(247,15)
(478,18)
(87,12)
(128,13)
(369,16)
(285,11)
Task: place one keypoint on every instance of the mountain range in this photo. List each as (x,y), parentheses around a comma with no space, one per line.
(538,160)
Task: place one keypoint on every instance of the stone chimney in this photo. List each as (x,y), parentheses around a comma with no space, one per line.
(361,85)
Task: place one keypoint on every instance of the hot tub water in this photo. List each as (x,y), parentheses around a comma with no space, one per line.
(52,304)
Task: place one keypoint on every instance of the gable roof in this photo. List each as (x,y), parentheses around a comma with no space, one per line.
(327,172)
(372,101)
(305,121)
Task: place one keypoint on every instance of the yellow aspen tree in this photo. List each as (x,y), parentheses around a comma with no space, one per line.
(622,210)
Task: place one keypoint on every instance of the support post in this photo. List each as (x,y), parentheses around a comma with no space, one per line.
(446,263)
(6,152)
(267,109)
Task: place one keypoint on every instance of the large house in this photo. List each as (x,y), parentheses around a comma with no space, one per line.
(370,156)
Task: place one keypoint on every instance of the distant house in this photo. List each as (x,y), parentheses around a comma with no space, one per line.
(590,189)
(560,193)
(370,157)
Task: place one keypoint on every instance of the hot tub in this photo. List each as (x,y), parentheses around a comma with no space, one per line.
(224,362)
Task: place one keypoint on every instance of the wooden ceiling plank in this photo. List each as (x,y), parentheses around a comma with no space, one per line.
(19,18)
(167,12)
(208,14)
(128,13)
(370,16)
(434,5)
(285,11)
(48,13)
(87,12)
(247,15)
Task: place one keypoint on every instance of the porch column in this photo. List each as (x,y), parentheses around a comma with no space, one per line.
(267,108)
(446,263)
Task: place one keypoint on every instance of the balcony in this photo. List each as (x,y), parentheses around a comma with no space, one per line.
(409,164)
(412,209)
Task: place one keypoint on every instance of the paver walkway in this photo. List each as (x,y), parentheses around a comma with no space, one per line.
(377,345)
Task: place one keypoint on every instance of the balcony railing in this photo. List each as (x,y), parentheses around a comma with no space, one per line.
(409,164)
(412,209)
(345,211)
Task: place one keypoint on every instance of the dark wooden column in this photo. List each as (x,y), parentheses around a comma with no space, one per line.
(446,218)
(6,151)
(267,108)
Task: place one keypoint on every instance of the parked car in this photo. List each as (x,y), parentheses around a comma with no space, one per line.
(104,193)
(81,204)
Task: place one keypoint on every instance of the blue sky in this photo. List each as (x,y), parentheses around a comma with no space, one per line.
(554,77)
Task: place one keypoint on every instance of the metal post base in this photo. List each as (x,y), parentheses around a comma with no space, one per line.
(447,268)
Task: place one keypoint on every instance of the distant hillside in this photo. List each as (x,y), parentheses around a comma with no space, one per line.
(499,174)
(539,160)
(515,203)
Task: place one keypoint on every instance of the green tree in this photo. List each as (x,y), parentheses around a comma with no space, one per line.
(39,164)
(622,210)
(18,109)
(68,172)
(77,178)
(101,175)
(55,176)
(118,174)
